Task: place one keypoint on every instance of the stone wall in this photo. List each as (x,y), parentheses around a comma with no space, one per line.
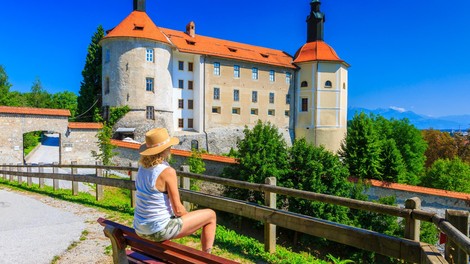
(77,145)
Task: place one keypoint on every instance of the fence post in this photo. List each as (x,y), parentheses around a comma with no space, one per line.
(4,175)
(185,183)
(99,188)
(459,219)
(132,176)
(412,226)
(11,169)
(41,179)
(74,183)
(19,177)
(55,182)
(29,178)
(270,229)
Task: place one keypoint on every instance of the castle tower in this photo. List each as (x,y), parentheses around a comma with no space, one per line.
(321,88)
(136,59)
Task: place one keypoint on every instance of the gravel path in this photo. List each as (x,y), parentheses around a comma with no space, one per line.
(90,248)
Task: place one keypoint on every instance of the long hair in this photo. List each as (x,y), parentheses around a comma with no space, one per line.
(153,160)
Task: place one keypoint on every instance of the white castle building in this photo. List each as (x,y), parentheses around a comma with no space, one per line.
(205,90)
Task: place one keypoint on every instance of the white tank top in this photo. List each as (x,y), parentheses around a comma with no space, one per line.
(153,209)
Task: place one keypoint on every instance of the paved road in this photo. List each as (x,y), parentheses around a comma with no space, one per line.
(33,232)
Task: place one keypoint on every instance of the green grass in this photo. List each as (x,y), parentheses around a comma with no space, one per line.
(116,206)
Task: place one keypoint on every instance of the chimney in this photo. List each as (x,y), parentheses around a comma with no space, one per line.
(191,29)
(315,22)
(139,5)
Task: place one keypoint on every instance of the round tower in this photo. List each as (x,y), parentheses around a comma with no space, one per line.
(136,59)
(321,88)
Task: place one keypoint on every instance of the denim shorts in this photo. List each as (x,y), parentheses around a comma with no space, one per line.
(172,229)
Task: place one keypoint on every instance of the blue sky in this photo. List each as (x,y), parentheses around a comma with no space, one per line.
(411,55)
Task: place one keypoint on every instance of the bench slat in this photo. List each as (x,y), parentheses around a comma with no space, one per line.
(138,258)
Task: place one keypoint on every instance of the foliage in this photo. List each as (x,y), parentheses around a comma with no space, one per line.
(463,146)
(89,98)
(315,169)
(361,148)
(262,153)
(38,97)
(451,175)
(106,149)
(65,100)
(428,233)
(196,165)
(440,146)
(30,140)
(393,168)
(4,87)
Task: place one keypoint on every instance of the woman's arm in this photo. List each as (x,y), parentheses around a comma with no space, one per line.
(169,176)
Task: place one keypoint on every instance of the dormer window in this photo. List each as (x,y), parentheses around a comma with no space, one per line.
(138,27)
(189,42)
(232,50)
(328,84)
(264,55)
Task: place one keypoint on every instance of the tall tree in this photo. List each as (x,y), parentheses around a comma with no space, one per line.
(451,175)
(89,97)
(65,100)
(441,145)
(38,97)
(4,87)
(392,168)
(361,148)
(462,143)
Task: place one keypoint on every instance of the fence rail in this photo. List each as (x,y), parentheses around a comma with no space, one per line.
(402,248)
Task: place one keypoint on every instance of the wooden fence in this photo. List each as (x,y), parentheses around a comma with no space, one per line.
(409,249)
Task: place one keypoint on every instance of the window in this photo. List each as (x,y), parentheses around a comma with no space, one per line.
(216,110)
(236,110)
(288,77)
(304,105)
(236,71)
(190,104)
(149,84)
(272,77)
(344,85)
(149,56)
(180,84)
(150,113)
(190,66)
(254,73)
(254,96)
(180,122)
(328,84)
(190,85)
(216,68)
(180,103)
(236,95)
(194,143)
(191,125)
(216,93)
(271,112)
(304,84)
(181,65)
(254,111)
(107,56)
(271,98)
(287,98)
(286,113)
(106,88)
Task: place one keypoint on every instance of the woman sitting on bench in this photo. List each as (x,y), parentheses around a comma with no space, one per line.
(159,214)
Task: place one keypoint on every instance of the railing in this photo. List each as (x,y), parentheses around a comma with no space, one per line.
(409,248)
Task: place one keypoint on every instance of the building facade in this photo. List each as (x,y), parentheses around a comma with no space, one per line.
(206,90)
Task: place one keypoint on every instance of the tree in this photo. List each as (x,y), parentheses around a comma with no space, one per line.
(89,97)
(440,146)
(462,144)
(451,175)
(4,87)
(261,154)
(196,165)
(315,169)
(106,149)
(361,148)
(392,168)
(38,97)
(65,100)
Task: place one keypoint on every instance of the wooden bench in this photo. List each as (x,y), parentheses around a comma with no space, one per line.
(146,251)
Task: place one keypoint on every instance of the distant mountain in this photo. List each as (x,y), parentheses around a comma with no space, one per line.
(454,122)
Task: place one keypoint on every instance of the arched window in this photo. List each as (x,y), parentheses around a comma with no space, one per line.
(194,144)
(328,84)
(304,84)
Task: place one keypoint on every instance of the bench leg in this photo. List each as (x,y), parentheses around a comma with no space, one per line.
(118,244)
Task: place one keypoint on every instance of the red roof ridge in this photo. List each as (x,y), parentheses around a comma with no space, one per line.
(85,125)
(316,51)
(34,111)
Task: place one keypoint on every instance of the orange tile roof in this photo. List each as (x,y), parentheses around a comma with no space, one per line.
(316,51)
(177,152)
(34,111)
(227,49)
(139,25)
(84,125)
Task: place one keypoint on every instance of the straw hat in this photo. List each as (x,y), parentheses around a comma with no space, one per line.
(156,141)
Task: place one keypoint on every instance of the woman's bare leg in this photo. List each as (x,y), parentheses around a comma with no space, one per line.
(194,220)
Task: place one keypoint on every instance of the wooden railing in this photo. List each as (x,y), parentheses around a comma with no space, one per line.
(409,248)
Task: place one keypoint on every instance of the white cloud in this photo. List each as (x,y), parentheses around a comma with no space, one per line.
(399,109)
